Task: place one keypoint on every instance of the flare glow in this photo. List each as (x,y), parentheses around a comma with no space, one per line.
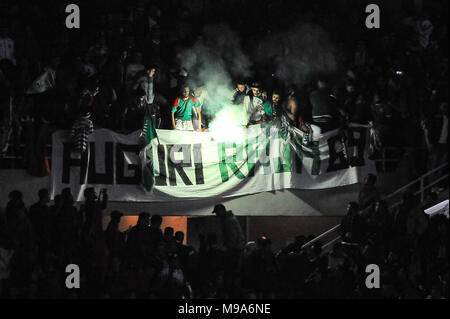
(228,124)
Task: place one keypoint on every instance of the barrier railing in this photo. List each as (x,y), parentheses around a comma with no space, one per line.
(385,159)
(423,188)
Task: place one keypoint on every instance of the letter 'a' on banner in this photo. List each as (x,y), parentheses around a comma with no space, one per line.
(178,166)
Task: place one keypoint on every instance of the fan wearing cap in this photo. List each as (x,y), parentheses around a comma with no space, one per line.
(253,104)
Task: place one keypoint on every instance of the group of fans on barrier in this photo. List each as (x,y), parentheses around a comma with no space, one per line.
(122,74)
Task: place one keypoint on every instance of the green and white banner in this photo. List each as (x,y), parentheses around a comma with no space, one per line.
(184,165)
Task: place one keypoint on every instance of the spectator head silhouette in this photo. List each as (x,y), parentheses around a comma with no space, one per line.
(168,233)
(219,210)
(89,194)
(116,216)
(44,196)
(15,204)
(156,221)
(143,219)
(179,237)
(67,196)
(15,195)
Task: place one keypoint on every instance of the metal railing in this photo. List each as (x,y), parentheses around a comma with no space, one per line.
(385,159)
(423,188)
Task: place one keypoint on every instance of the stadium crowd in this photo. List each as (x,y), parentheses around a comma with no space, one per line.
(122,66)
(36,245)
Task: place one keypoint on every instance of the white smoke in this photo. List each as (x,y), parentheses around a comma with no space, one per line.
(215,60)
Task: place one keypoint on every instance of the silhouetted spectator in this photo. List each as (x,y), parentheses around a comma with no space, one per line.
(352,226)
(139,239)
(368,194)
(115,239)
(40,218)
